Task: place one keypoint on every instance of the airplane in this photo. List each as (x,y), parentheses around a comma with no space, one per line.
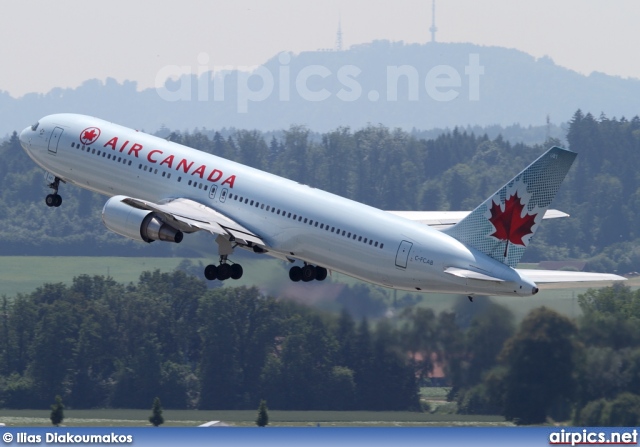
(161,190)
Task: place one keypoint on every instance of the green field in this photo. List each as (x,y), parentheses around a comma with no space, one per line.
(191,418)
(23,274)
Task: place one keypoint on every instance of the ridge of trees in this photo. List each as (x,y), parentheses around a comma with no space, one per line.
(385,168)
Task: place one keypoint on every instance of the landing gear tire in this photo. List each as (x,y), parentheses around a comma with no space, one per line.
(53,200)
(295,273)
(308,273)
(321,273)
(224,272)
(236,271)
(211,272)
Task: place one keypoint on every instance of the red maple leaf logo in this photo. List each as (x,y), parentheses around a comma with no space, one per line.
(508,223)
(89,135)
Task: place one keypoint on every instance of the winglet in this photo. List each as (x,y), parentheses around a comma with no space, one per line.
(503,225)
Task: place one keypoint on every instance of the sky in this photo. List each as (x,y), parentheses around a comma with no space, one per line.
(46,44)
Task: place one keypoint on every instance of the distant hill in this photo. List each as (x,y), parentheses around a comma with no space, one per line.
(421,86)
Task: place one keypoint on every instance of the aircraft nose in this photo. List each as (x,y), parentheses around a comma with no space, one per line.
(25,136)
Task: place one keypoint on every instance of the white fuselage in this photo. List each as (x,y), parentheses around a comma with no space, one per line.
(294,220)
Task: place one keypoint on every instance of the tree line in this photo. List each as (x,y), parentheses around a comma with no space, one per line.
(386,168)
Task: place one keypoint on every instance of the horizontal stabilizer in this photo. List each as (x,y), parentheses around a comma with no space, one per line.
(470,274)
(444,219)
(555,276)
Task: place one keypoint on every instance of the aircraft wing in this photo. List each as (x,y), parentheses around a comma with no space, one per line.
(444,219)
(189,216)
(551,276)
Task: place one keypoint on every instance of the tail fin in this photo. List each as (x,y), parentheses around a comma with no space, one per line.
(503,225)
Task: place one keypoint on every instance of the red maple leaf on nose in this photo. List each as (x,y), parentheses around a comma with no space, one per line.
(509,224)
(89,135)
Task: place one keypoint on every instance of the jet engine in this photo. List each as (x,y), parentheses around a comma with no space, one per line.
(137,224)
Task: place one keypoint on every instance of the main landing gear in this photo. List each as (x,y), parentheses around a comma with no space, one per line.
(307,273)
(54,199)
(223,271)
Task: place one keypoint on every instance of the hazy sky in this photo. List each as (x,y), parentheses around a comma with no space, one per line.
(46,44)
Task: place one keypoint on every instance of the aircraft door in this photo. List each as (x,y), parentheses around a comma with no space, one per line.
(403,254)
(54,139)
(212,192)
(223,194)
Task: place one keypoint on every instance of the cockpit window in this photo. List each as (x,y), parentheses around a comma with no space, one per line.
(35,126)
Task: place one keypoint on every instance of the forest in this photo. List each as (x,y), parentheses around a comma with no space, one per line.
(385,168)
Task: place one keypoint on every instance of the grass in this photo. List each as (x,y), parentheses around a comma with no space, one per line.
(23,274)
(246,418)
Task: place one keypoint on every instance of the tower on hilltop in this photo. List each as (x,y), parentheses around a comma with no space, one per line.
(339,36)
(433,28)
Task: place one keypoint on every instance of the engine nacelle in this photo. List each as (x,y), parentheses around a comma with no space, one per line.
(137,224)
